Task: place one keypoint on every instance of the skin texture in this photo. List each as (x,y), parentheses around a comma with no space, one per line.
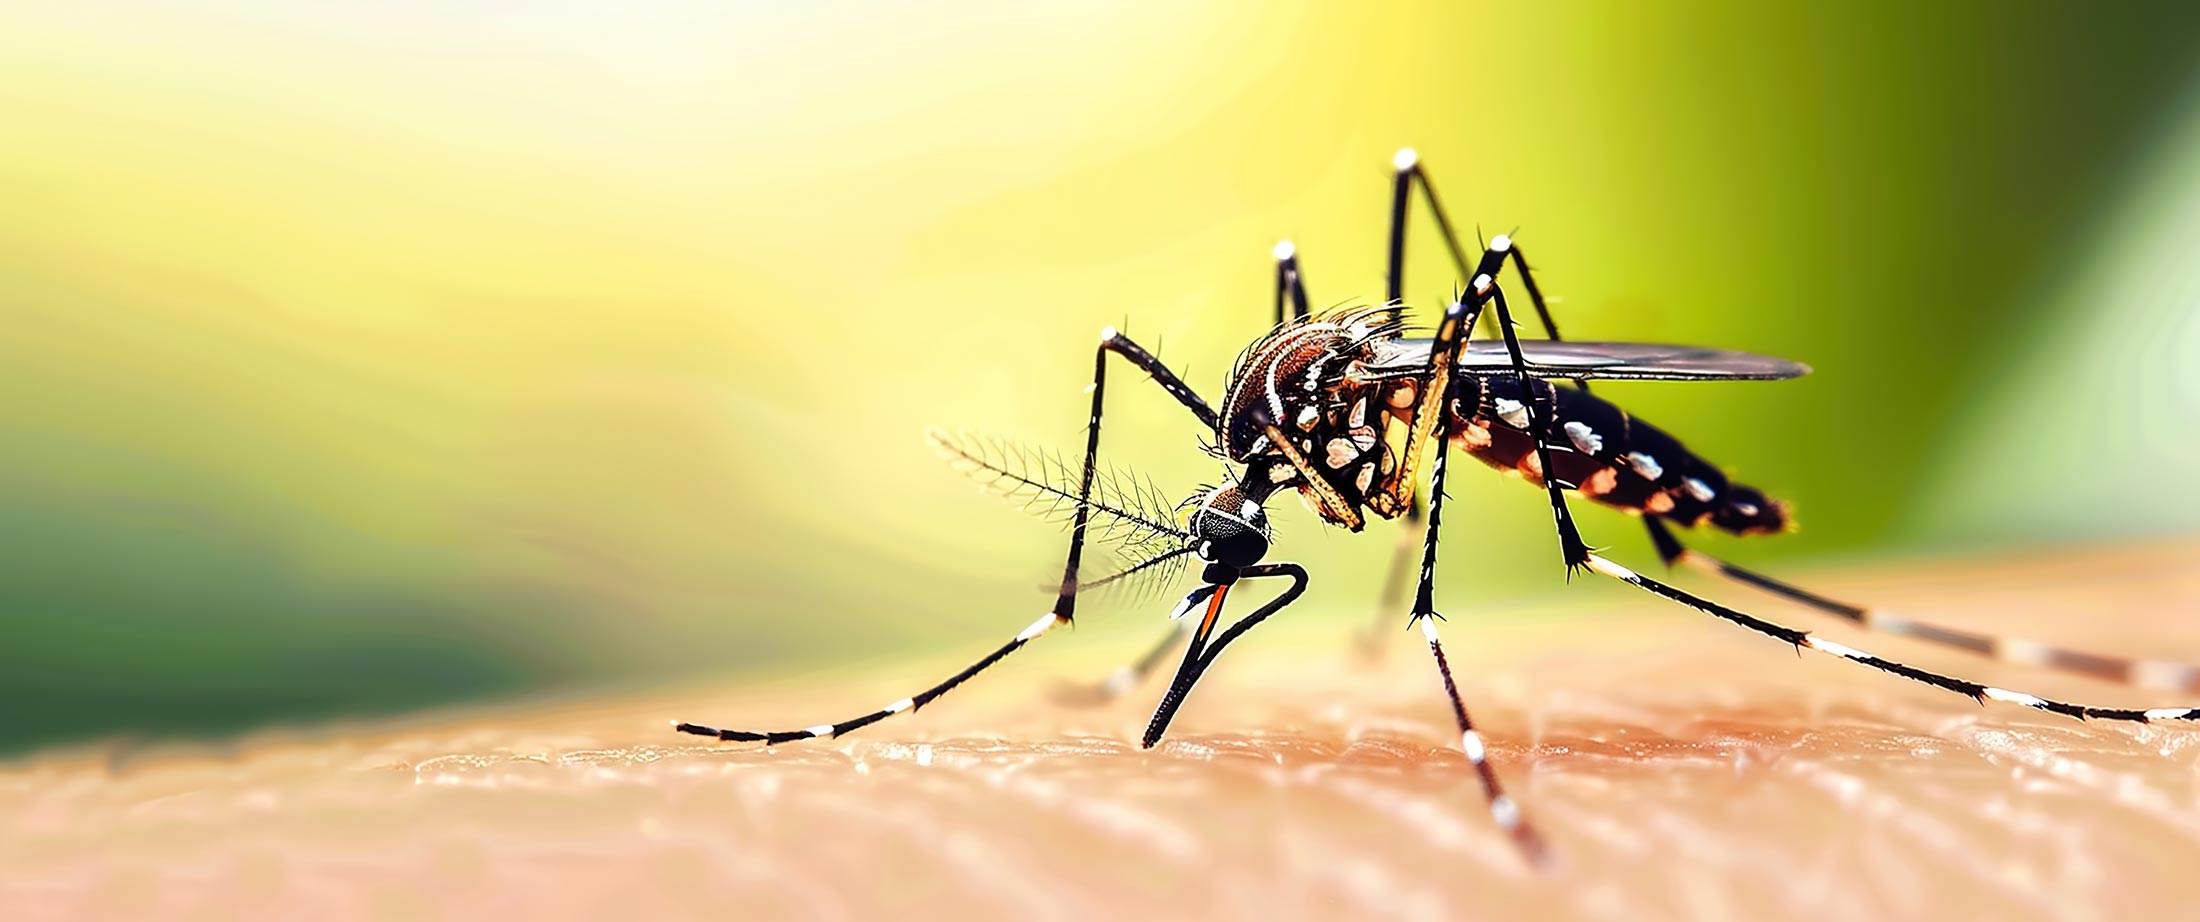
(1680,768)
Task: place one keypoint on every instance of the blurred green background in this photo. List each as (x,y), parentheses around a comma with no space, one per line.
(362,357)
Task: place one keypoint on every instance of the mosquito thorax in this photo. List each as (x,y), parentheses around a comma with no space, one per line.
(1287,384)
(1228,528)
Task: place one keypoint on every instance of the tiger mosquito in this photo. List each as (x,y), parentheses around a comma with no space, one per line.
(1344,408)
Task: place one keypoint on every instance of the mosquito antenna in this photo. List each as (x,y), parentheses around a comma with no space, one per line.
(1143,576)
(1126,510)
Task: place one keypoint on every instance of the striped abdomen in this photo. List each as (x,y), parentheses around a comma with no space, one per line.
(1605,454)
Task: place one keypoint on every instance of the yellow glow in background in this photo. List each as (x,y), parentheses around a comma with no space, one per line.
(361,357)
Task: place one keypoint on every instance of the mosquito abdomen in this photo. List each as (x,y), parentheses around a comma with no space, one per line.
(1606,454)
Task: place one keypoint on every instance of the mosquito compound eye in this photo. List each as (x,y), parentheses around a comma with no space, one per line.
(1229,529)
(1240,550)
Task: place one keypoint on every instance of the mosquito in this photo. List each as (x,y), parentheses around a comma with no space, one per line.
(1344,408)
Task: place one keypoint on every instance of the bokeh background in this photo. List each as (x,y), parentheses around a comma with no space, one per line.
(358,358)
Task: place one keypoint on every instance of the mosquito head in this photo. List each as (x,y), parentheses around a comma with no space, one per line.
(1228,527)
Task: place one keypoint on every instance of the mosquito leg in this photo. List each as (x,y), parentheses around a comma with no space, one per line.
(1575,551)
(1440,372)
(1290,284)
(1410,174)
(1113,342)
(1201,654)
(1503,809)
(911,703)
(1401,197)
(1409,170)
(1408,165)
(1550,330)
(1804,639)
(2160,675)
(1535,297)
(1065,604)
(1658,535)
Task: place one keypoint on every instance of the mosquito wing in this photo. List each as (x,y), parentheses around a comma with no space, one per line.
(1602,361)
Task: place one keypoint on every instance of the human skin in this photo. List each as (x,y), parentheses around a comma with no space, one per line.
(1679,767)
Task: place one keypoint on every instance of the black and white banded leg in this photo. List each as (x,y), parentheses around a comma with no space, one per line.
(1571,547)
(1112,342)
(2153,674)
(1503,809)
(911,703)
(1410,174)
(1805,640)
(1065,603)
